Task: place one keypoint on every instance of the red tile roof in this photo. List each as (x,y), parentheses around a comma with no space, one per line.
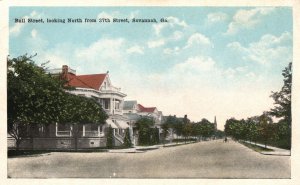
(92,81)
(146,109)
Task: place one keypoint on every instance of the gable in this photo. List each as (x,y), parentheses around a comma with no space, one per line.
(105,83)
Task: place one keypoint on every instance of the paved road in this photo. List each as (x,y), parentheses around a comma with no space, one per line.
(212,159)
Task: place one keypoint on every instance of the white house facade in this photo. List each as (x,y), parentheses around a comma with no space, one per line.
(62,136)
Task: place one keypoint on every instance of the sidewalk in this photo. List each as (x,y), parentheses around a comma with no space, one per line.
(141,149)
(276,151)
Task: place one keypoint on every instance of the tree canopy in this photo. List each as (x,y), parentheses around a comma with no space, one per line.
(261,128)
(282,98)
(147,134)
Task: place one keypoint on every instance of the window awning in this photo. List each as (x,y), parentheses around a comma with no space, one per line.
(111,123)
(122,124)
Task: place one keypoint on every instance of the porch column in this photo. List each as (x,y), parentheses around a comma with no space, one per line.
(111,106)
(83,130)
(114,105)
(56,128)
(71,129)
(121,106)
(98,130)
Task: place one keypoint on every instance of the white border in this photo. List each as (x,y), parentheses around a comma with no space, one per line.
(295,158)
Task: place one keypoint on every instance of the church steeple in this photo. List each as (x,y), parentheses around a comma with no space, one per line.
(215,123)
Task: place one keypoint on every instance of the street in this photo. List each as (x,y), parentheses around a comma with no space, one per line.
(210,159)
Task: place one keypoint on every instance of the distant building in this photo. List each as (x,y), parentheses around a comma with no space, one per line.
(130,107)
(134,108)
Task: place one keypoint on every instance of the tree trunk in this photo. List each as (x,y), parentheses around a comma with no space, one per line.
(75,133)
(32,144)
(18,142)
(76,142)
(265,144)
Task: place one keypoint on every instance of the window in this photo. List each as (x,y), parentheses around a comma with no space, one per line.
(63,127)
(94,127)
(117,103)
(104,103)
(63,130)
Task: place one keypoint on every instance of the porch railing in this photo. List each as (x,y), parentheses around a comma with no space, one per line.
(119,137)
(91,134)
(64,133)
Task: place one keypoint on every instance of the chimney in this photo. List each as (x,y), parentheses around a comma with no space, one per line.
(64,74)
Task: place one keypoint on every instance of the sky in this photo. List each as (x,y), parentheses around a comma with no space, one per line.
(202,62)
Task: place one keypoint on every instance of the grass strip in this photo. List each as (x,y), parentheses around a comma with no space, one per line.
(256,147)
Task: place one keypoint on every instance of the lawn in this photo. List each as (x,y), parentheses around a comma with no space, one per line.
(256,147)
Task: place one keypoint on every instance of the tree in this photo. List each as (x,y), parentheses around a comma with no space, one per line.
(169,123)
(282,109)
(110,138)
(143,126)
(31,96)
(165,130)
(127,140)
(34,97)
(187,130)
(178,128)
(156,136)
(265,128)
(283,134)
(253,133)
(175,124)
(206,128)
(197,130)
(282,98)
(232,128)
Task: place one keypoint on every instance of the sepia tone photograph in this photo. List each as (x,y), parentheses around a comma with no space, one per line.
(150,92)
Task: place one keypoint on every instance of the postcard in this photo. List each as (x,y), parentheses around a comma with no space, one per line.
(150,92)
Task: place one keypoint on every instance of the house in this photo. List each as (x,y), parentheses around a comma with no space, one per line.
(99,87)
(134,111)
(133,107)
(130,107)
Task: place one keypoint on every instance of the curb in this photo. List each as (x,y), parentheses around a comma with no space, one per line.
(131,150)
(276,153)
(147,148)
(143,149)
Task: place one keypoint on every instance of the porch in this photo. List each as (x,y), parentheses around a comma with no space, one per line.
(85,130)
